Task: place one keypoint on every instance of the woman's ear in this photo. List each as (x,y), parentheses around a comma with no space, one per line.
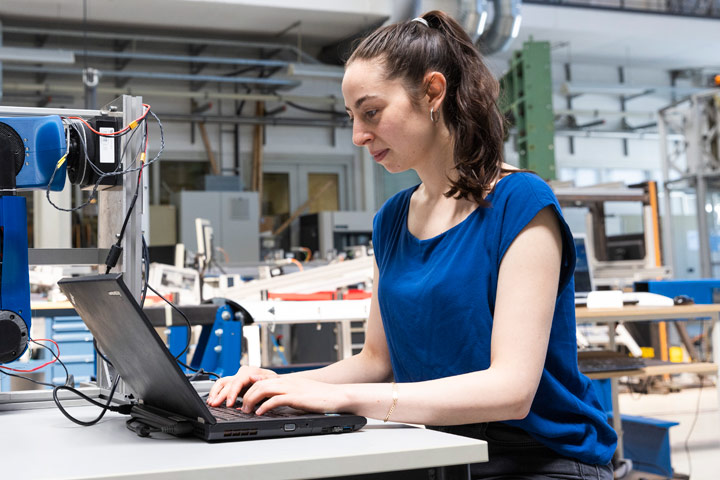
(435,89)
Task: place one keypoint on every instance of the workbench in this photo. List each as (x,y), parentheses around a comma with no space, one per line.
(43,444)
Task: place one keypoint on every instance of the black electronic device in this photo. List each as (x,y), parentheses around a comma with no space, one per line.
(122,330)
(583,276)
(595,361)
(626,247)
(683,300)
(91,153)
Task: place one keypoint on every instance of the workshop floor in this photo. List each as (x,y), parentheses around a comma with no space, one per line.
(692,408)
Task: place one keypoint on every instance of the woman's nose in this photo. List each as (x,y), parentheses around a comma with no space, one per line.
(361,136)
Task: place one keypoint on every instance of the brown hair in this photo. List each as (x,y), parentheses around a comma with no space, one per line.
(409,50)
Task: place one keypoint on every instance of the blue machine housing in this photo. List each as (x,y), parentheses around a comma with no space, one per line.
(44,142)
(15,278)
(702,291)
(44,139)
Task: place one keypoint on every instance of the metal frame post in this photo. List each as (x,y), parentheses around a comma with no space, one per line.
(112,208)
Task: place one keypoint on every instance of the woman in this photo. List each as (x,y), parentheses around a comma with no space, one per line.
(472,312)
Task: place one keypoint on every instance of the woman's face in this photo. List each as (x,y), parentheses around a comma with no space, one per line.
(397,133)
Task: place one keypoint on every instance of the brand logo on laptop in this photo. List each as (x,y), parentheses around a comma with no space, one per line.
(114,293)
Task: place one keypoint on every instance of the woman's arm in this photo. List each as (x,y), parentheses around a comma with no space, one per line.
(525,302)
(372,364)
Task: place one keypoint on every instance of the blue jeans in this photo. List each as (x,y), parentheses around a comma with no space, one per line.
(513,454)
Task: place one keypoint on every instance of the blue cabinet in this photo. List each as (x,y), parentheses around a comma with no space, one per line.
(76,349)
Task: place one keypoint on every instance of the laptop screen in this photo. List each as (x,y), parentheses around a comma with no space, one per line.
(583,274)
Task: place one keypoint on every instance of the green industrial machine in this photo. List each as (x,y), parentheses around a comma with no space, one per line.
(526,100)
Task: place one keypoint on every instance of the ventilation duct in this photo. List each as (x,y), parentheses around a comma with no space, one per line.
(495,34)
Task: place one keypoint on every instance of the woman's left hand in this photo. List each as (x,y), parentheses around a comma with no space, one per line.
(295,392)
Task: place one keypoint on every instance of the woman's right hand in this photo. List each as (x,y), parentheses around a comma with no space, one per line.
(227,389)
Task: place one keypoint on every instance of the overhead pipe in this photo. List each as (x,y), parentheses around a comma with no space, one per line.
(268,82)
(166,39)
(172,117)
(255,120)
(605,113)
(182,58)
(501,32)
(274,121)
(201,94)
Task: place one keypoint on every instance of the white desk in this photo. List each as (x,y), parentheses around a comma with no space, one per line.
(43,444)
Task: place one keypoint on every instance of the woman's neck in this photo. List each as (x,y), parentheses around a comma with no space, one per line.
(437,169)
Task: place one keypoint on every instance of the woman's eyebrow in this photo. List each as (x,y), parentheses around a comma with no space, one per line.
(360,101)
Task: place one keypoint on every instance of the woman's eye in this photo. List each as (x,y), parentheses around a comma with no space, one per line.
(370,113)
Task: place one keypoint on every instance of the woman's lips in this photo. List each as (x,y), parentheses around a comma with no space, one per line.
(378,156)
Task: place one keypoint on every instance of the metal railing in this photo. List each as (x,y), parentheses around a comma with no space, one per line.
(685,8)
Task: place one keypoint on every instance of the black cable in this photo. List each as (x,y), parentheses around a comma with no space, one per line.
(57,359)
(97,350)
(686,444)
(130,209)
(123,409)
(199,371)
(116,249)
(144,429)
(2,370)
(146,263)
(103,175)
(189,326)
(334,113)
(38,382)
(189,333)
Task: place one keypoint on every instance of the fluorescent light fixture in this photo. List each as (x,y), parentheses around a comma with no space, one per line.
(516,26)
(35,55)
(481,23)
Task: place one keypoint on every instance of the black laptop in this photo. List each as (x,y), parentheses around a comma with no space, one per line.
(165,396)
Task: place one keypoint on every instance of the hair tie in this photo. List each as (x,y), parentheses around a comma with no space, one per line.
(420,20)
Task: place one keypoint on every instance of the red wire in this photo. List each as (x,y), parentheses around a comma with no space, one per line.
(113,134)
(41,366)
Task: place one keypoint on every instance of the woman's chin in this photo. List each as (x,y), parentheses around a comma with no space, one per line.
(393,168)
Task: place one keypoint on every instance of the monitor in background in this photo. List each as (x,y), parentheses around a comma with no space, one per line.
(162,254)
(626,247)
(168,254)
(583,272)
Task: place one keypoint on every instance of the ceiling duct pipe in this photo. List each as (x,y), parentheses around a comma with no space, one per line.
(497,35)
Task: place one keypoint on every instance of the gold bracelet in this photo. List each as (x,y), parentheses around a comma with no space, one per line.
(394,401)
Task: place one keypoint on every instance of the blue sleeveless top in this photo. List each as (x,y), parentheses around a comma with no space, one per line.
(437,298)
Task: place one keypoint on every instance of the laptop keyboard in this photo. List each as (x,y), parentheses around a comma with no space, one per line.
(605,361)
(231,414)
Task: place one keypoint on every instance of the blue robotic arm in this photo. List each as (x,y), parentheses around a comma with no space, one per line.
(30,148)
